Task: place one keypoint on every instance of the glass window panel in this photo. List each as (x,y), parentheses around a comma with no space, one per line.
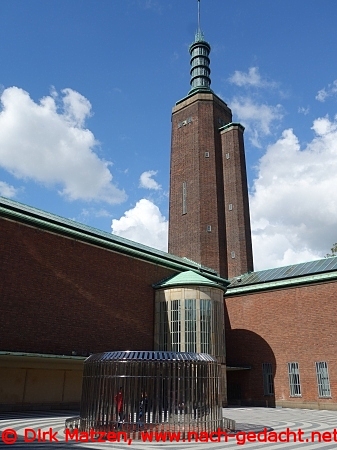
(190,325)
(294,379)
(323,382)
(175,325)
(205,326)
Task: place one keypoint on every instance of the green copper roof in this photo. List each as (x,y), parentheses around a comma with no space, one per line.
(188,278)
(303,273)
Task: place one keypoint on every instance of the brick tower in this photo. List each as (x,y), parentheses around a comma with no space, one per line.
(209,211)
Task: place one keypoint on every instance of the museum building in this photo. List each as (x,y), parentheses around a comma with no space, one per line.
(68,290)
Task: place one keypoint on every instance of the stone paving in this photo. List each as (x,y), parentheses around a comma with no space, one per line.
(293,424)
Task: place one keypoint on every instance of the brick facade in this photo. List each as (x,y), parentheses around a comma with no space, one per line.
(203,182)
(295,324)
(238,232)
(196,160)
(60,295)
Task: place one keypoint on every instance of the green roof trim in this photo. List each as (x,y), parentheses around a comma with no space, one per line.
(30,216)
(232,124)
(188,278)
(42,355)
(199,90)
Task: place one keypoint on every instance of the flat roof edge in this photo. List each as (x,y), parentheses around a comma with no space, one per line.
(40,355)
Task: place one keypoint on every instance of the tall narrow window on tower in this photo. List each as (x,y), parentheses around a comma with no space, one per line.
(184,198)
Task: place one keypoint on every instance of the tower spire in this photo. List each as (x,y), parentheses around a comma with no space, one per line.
(199,35)
(199,51)
(198,14)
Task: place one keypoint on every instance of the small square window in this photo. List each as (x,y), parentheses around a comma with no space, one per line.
(206,154)
(209,228)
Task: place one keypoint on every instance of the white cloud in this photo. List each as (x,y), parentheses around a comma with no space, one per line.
(252,78)
(302,110)
(258,118)
(92,212)
(294,203)
(146,181)
(324,93)
(6,190)
(152,5)
(48,143)
(145,224)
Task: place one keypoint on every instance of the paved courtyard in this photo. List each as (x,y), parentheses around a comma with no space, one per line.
(291,423)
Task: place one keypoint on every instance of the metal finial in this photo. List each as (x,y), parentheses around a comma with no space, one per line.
(198,15)
(199,34)
(199,51)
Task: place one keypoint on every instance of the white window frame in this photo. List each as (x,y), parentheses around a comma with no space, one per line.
(294,379)
(323,382)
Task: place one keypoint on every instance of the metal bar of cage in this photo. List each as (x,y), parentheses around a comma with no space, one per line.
(141,391)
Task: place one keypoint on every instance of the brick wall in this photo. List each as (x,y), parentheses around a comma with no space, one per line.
(208,232)
(279,326)
(238,232)
(188,235)
(59,295)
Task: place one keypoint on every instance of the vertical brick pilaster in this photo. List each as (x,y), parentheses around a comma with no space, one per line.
(238,232)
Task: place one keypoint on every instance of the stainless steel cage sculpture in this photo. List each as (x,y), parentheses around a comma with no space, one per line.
(138,391)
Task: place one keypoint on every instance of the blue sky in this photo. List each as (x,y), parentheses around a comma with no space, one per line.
(87,89)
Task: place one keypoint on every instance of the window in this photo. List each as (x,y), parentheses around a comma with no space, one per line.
(206,154)
(233,255)
(175,325)
(205,325)
(227,155)
(190,325)
(294,379)
(209,228)
(230,207)
(184,198)
(323,382)
(268,384)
